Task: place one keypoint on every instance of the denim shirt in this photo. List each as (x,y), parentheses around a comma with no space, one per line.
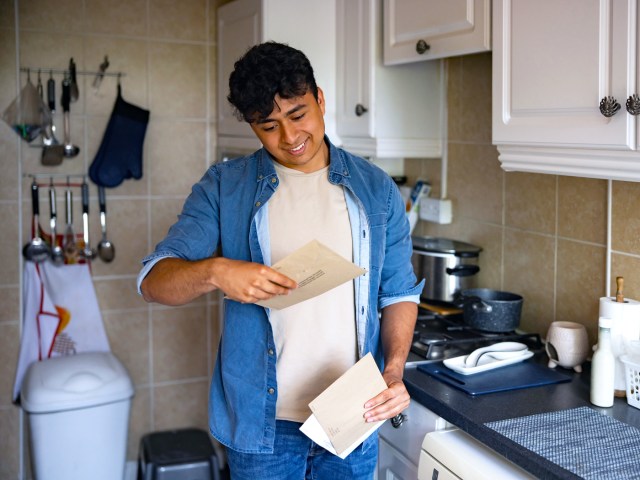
(225,211)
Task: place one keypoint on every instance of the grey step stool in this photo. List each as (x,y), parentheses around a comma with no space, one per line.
(185,454)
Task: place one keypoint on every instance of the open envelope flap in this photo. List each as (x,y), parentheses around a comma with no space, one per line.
(317,269)
(340,408)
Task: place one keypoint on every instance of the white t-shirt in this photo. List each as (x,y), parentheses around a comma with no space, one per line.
(315,339)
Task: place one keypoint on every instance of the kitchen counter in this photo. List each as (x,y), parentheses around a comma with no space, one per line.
(470,413)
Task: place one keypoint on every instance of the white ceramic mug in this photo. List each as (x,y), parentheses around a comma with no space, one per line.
(567,345)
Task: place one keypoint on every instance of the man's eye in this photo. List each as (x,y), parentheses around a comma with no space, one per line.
(299,117)
(268,128)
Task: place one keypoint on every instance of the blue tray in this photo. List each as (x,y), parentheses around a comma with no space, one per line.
(527,374)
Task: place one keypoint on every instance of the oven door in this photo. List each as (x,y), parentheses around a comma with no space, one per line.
(399,447)
(453,454)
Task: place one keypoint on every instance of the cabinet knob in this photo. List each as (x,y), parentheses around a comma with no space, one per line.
(633,104)
(361,110)
(422,46)
(398,420)
(609,106)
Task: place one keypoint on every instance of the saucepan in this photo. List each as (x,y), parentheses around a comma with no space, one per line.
(490,310)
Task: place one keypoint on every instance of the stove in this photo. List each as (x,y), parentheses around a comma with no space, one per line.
(438,337)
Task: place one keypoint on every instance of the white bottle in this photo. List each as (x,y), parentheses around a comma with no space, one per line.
(603,367)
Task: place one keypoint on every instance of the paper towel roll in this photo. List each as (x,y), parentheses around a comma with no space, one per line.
(625,328)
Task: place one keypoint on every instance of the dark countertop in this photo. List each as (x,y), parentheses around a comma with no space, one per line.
(470,413)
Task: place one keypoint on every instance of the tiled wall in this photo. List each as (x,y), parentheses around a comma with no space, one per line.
(543,236)
(167,51)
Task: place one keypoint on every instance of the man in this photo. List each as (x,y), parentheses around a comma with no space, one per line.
(254,211)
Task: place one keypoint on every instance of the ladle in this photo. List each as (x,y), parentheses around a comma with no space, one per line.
(70,150)
(36,250)
(106,250)
(57,255)
(87,252)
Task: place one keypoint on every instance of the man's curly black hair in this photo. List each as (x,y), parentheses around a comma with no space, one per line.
(267,70)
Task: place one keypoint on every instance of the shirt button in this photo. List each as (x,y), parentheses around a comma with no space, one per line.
(258,204)
(271,351)
(259,177)
(271,391)
(274,180)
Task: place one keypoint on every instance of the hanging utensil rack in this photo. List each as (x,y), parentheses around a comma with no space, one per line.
(51,176)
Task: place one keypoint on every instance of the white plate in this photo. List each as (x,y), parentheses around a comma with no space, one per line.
(486,363)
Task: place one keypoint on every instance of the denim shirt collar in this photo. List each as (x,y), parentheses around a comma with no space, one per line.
(338,168)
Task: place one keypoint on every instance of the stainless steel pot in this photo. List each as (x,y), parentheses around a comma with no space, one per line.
(449,266)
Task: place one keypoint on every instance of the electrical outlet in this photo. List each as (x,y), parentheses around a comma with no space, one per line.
(437,210)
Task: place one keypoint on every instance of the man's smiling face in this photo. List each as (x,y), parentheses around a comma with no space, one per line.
(294,132)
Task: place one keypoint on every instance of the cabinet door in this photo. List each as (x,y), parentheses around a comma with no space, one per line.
(552,64)
(355,36)
(417,30)
(239,27)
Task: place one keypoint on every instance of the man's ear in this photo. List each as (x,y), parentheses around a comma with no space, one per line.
(321,100)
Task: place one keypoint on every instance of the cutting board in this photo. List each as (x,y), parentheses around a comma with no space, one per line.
(513,377)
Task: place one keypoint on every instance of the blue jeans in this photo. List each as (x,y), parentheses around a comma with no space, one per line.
(296,457)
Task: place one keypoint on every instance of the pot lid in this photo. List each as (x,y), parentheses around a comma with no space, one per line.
(445,245)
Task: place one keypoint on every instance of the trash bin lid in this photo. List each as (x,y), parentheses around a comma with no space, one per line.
(73,382)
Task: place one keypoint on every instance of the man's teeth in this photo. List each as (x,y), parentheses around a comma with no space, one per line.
(298,148)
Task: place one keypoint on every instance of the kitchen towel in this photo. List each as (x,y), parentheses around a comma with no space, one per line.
(625,328)
(61,315)
(581,440)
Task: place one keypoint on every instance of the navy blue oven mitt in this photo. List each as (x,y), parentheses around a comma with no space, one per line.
(120,154)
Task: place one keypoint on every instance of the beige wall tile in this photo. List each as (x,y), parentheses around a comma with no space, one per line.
(530,202)
(8,14)
(140,420)
(580,284)
(475,182)
(127,230)
(116,17)
(489,238)
(455,105)
(66,16)
(10,257)
(178,160)
(626,219)
(128,57)
(164,213)
(529,271)
(628,268)
(128,334)
(9,442)
(10,301)
(9,349)
(181,405)
(186,20)
(475,99)
(9,181)
(177,80)
(117,293)
(179,343)
(582,209)
(8,61)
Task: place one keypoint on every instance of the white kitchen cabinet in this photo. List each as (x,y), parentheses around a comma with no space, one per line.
(553,63)
(416,30)
(307,25)
(384,112)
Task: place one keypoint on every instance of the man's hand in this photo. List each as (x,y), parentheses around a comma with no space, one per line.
(389,402)
(173,281)
(248,282)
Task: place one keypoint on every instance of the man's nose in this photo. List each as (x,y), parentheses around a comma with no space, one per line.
(288,133)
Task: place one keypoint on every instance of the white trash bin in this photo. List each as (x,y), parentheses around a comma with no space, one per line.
(78,410)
